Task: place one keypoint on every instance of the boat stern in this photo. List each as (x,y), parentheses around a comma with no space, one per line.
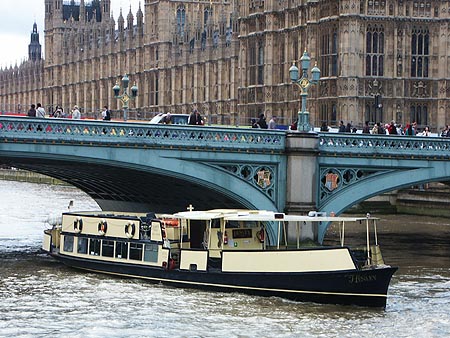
(51,240)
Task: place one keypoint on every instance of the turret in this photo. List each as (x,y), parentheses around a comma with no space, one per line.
(34,48)
(82,11)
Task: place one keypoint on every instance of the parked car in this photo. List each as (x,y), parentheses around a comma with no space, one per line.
(175,118)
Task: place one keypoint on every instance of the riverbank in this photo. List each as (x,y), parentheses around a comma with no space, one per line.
(431,199)
(28,176)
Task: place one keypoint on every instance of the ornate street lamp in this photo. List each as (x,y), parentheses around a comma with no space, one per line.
(125,97)
(304,83)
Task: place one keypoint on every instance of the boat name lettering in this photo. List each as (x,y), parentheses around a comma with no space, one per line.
(356,279)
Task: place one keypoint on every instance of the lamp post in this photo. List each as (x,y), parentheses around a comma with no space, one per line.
(125,97)
(304,83)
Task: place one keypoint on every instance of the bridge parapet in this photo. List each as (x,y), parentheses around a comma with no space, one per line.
(229,139)
(384,146)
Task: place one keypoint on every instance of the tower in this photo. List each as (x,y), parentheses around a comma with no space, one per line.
(34,48)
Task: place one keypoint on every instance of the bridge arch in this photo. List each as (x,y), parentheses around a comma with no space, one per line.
(141,167)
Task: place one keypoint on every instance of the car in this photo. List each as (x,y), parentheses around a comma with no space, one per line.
(160,118)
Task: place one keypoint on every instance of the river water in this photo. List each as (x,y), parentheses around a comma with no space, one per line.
(39,297)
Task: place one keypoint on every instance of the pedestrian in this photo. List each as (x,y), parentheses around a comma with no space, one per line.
(375,128)
(392,129)
(167,119)
(426,131)
(255,123)
(414,128)
(445,132)
(40,111)
(262,122)
(341,127)
(106,114)
(273,123)
(58,112)
(76,115)
(32,111)
(195,118)
(366,128)
(409,131)
(324,127)
(348,128)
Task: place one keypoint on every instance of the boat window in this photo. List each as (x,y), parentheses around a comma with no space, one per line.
(122,250)
(136,251)
(215,223)
(232,224)
(68,243)
(108,248)
(94,247)
(82,245)
(251,224)
(151,253)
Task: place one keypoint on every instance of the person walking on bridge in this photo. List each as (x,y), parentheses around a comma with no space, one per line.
(76,115)
(40,111)
(32,111)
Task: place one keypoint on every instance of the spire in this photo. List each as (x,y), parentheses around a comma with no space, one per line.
(130,19)
(120,21)
(34,48)
(139,16)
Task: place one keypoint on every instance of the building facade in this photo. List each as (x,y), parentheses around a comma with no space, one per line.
(380,60)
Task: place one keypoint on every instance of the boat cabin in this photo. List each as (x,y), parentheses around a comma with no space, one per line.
(228,240)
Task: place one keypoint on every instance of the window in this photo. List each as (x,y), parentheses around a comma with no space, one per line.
(256,63)
(94,247)
(181,21)
(329,53)
(376,7)
(68,243)
(419,114)
(207,14)
(108,248)
(151,253)
(375,51)
(122,250)
(82,245)
(420,52)
(136,251)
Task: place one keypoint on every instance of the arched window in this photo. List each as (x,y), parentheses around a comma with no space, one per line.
(181,20)
(207,15)
(420,48)
(419,113)
(374,50)
(329,52)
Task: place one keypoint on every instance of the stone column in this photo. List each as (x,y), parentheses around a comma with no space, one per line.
(302,175)
(301,190)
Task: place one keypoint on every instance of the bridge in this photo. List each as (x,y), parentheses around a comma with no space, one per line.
(141,167)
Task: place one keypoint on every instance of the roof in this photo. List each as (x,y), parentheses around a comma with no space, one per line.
(262,215)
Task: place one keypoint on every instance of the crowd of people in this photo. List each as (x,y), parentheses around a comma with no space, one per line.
(392,128)
(195,118)
(36,110)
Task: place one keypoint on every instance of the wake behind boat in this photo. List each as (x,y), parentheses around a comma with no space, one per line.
(226,250)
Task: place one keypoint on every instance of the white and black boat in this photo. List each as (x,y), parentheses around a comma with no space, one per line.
(226,250)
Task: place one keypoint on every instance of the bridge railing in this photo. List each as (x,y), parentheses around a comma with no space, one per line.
(384,146)
(125,133)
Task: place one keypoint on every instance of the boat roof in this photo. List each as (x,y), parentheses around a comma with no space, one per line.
(263,215)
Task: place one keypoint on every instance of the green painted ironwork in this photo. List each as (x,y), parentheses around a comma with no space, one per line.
(144,134)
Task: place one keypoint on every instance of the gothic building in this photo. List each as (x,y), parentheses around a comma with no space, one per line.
(380,60)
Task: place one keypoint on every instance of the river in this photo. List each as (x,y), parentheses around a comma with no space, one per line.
(39,297)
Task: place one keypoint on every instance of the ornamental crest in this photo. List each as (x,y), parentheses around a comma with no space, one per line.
(331,181)
(264,178)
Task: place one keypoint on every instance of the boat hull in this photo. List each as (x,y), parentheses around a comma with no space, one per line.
(352,287)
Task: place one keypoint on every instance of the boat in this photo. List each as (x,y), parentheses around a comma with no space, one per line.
(247,251)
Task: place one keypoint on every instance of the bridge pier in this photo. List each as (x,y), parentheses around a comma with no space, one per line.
(302,150)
